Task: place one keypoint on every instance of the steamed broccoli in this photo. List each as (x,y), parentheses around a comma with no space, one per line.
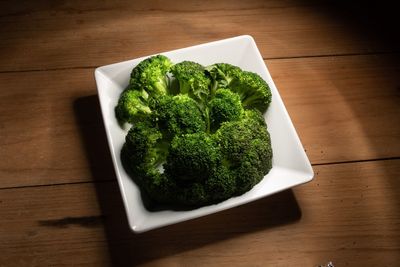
(246,148)
(132,106)
(222,75)
(221,183)
(199,141)
(178,115)
(192,157)
(144,152)
(225,106)
(192,80)
(151,75)
(146,146)
(149,80)
(254,92)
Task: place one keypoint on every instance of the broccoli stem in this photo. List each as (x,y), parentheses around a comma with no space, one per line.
(213,89)
(161,86)
(184,87)
(247,100)
(207,117)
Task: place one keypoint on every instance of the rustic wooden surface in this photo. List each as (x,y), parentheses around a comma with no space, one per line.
(337,69)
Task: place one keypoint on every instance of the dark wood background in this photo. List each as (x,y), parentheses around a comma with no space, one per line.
(336,65)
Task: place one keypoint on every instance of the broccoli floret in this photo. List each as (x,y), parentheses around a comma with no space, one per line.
(144,153)
(132,106)
(192,157)
(254,92)
(151,75)
(193,195)
(225,106)
(221,184)
(149,80)
(246,148)
(222,75)
(179,115)
(192,80)
(146,145)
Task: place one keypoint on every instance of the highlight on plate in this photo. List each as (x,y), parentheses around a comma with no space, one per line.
(197,133)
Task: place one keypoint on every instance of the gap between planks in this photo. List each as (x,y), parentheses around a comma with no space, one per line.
(264,58)
(113,180)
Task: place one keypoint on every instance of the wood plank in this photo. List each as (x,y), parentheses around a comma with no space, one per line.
(47,127)
(56,35)
(344,108)
(349,215)
(27,7)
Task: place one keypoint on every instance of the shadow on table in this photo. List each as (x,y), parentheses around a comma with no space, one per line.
(127,248)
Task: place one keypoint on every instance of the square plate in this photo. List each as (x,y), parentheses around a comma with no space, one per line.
(291,166)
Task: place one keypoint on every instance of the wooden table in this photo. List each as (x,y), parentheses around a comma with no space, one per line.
(336,67)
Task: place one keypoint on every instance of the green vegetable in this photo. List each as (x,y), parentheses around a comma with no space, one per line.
(132,106)
(198,135)
(149,81)
(225,106)
(254,92)
(192,157)
(192,80)
(178,115)
(245,146)
(150,75)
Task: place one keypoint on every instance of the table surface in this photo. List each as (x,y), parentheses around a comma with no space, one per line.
(335,65)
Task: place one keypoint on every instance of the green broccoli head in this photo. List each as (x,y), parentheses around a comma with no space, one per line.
(253,90)
(246,148)
(222,74)
(132,106)
(151,75)
(221,184)
(192,195)
(192,157)
(192,80)
(146,146)
(179,115)
(144,153)
(225,106)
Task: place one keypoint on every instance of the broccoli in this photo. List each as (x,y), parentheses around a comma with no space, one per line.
(254,92)
(178,115)
(149,80)
(132,106)
(246,148)
(144,152)
(192,157)
(151,75)
(225,106)
(146,146)
(198,135)
(221,184)
(222,75)
(192,80)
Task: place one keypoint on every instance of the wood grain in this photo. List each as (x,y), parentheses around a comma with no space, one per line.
(349,215)
(52,35)
(344,108)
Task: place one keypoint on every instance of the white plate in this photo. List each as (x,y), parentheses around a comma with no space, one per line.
(291,166)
